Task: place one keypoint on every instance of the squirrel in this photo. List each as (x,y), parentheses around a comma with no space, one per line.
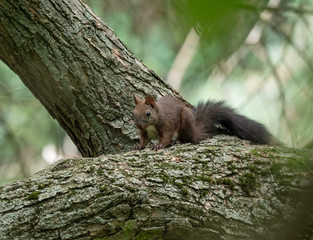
(170,120)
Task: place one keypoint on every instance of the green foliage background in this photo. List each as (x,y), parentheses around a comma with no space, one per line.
(256,54)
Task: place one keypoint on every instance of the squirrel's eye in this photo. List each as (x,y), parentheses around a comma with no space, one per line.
(148,113)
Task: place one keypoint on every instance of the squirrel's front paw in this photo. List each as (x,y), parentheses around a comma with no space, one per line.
(157,146)
(138,147)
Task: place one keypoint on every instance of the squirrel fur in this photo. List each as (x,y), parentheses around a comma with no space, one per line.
(170,120)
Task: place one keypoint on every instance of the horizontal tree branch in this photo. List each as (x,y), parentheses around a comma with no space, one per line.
(220,189)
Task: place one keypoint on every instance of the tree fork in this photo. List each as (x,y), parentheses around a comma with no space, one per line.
(78,69)
(85,76)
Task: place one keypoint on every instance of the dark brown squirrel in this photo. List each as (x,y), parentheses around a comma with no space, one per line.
(170,120)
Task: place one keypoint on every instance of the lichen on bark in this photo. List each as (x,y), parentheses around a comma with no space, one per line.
(222,188)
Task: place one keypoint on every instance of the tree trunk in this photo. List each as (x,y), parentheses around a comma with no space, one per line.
(78,69)
(220,189)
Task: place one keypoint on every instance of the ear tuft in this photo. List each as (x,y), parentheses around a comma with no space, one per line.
(137,99)
(150,100)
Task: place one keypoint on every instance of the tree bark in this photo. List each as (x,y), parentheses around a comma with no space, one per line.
(223,188)
(78,69)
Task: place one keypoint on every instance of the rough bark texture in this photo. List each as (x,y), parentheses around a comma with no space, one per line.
(78,69)
(220,189)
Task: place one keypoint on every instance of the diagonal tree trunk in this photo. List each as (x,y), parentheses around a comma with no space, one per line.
(221,189)
(78,69)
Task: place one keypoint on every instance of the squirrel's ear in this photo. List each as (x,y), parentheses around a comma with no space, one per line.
(137,99)
(150,100)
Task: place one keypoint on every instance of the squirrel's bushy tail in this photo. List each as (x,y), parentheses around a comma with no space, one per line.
(217,117)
